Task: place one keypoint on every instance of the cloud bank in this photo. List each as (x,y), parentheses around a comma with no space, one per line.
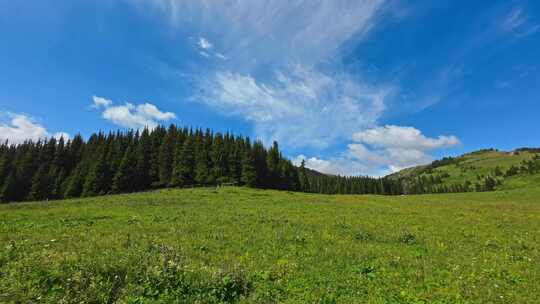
(21,128)
(382,150)
(132,116)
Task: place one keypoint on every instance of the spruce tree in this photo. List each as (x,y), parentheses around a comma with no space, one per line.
(304,182)
(156,139)
(96,181)
(75,183)
(184,171)
(260,155)
(249,173)
(5,167)
(9,190)
(143,166)
(58,185)
(126,175)
(201,162)
(166,156)
(25,167)
(41,184)
(219,159)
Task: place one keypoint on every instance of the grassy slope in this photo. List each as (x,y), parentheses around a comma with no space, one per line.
(471,165)
(272,246)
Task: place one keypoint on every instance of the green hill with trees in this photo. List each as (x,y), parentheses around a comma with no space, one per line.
(483,170)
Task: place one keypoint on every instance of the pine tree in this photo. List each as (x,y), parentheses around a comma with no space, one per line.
(25,170)
(5,167)
(304,181)
(97,181)
(143,165)
(9,190)
(260,155)
(156,139)
(166,156)
(58,185)
(249,173)
(127,173)
(75,183)
(184,171)
(202,170)
(41,184)
(219,159)
(273,161)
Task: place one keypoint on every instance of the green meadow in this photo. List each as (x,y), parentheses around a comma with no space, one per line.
(240,245)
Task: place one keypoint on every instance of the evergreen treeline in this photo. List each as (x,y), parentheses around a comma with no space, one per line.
(121,162)
(333,184)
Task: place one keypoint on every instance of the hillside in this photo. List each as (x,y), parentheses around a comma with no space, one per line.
(240,245)
(482,170)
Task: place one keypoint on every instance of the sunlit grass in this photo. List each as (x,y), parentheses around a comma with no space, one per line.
(255,246)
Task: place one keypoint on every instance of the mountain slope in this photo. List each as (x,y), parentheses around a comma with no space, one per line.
(481,170)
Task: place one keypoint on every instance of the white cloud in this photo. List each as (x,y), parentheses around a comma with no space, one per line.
(382,150)
(301,108)
(206,49)
(132,116)
(221,56)
(204,44)
(101,102)
(403,138)
(21,128)
(343,165)
(397,147)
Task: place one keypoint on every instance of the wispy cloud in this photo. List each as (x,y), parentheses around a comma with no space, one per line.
(513,20)
(277,77)
(132,116)
(517,23)
(252,33)
(270,74)
(302,107)
(21,127)
(207,50)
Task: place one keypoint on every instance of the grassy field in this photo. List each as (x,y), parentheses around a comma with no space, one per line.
(239,245)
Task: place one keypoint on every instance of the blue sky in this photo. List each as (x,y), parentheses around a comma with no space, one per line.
(353,87)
